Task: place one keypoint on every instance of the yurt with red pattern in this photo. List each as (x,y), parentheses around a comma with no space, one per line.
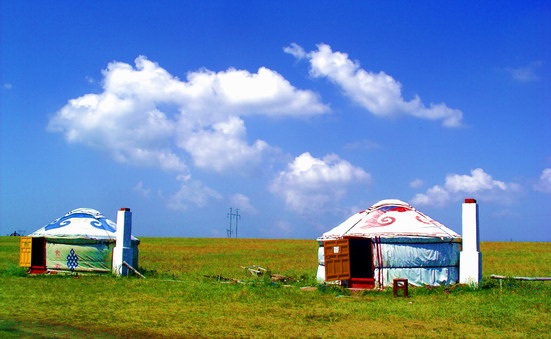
(389,240)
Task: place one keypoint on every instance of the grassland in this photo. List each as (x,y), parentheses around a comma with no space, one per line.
(177,300)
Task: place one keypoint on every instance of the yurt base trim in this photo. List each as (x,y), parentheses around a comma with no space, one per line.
(43,270)
(37,270)
(361,283)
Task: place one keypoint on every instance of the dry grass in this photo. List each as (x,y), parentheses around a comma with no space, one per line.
(177,301)
(529,259)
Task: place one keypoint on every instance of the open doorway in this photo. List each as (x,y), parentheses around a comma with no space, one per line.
(361,264)
(351,261)
(38,254)
(361,258)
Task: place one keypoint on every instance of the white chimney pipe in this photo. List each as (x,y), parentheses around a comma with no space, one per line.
(470,258)
(123,246)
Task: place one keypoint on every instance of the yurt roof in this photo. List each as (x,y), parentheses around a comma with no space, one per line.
(390,218)
(84,223)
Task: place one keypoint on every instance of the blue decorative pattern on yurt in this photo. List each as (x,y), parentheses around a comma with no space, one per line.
(99,223)
(386,208)
(72,260)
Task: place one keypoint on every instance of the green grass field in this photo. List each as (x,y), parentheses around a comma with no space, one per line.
(176,300)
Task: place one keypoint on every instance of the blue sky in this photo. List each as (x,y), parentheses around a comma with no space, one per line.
(298,114)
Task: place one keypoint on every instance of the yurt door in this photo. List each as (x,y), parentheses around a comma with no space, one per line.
(337,259)
(25,248)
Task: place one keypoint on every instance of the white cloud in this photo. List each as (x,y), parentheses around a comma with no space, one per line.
(223,146)
(527,73)
(295,50)
(477,181)
(310,184)
(479,185)
(146,116)
(417,183)
(132,130)
(191,193)
(435,196)
(243,203)
(89,79)
(544,182)
(141,189)
(379,93)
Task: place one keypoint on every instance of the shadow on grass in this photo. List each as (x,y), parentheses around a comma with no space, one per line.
(20,329)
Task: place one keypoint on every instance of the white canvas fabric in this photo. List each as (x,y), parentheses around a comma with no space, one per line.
(420,276)
(405,244)
(83,223)
(422,263)
(390,219)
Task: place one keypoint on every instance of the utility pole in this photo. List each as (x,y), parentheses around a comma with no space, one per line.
(229,230)
(231,215)
(237,217)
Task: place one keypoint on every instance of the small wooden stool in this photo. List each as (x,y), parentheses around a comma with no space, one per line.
(400,284)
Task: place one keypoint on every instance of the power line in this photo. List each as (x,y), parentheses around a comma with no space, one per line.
(231,215)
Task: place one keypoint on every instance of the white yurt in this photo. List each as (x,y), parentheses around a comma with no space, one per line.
(80,241)
(389,240)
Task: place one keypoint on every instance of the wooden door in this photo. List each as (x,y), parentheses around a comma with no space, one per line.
(25,248)
(337,259)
